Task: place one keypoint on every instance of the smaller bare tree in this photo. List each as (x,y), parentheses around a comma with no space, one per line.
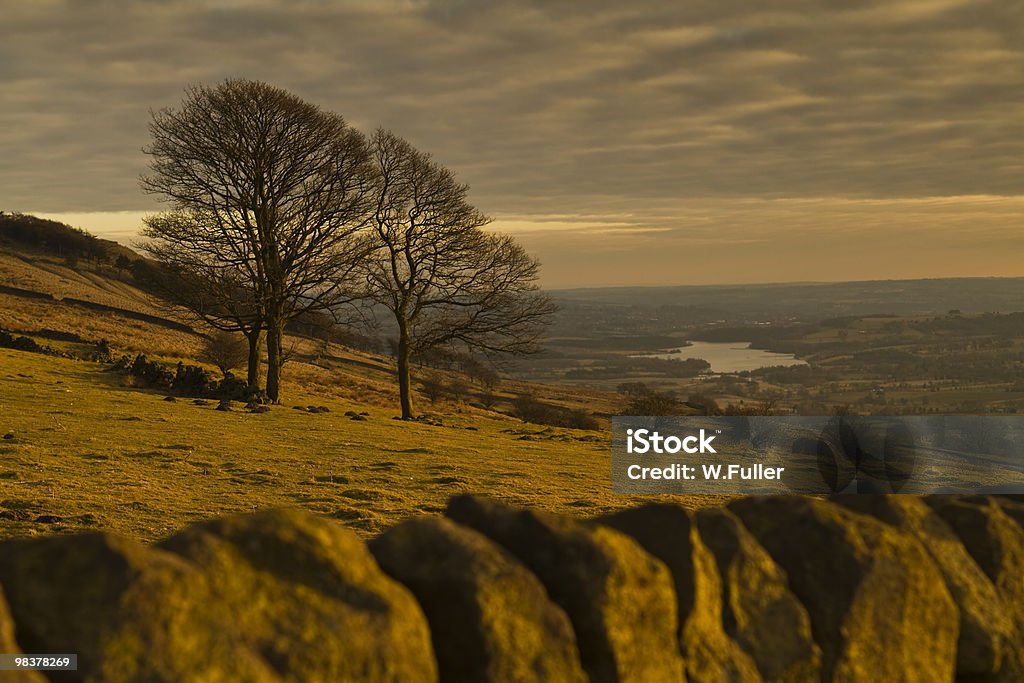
(446,281)
(433,388)
(225,350)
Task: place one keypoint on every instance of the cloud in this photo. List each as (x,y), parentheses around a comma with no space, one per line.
(546,106)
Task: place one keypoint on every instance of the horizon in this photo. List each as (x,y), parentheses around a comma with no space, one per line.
(567,277)
(118,236)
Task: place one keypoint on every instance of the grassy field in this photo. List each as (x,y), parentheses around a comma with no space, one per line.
(88,453)
(89,450)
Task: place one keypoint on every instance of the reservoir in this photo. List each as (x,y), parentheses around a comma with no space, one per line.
(730,356)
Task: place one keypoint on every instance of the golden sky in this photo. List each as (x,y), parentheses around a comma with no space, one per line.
(648,142)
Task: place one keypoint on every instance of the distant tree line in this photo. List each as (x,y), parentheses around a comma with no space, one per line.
(279,211)
(530,409)
(53,237)
(642,399)
(617,366)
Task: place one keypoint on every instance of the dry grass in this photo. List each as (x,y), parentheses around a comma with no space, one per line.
(52,276)
(88,453)
(124,334)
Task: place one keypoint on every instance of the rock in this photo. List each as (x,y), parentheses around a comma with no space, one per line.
(759,610)
(668,533)
(9,436)
(200,402)
(879,607)
(985,625)
(996,542)
(308,595)
(619,598)
(350,413)
(131,613)
(170,399)
(490,618)
(224,405)
(49,519)
(358,418)
(302,408)
(8,645)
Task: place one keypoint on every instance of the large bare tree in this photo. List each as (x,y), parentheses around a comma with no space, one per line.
(445,280)
(267,187)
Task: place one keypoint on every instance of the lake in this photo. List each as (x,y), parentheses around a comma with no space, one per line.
(730,356)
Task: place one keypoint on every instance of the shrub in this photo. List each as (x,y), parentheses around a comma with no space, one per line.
(529,409)
(646,401)
(457,389)
(703,404)
(432,387)
(225,350)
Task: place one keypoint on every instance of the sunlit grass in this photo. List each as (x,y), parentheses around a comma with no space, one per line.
(98,455)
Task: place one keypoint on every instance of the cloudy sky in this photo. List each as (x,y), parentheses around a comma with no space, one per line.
(648,142)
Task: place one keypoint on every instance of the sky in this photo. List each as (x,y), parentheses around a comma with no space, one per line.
(642,143)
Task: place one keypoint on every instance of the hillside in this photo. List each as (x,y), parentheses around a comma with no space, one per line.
(91,448)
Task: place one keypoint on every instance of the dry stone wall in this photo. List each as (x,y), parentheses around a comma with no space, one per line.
(780,588)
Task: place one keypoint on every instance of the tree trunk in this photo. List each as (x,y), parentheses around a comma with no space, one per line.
(275,332)
(404,380)
(255,338)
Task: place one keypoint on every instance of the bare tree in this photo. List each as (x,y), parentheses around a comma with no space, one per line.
(445,281)
(226,350)
(269,188)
